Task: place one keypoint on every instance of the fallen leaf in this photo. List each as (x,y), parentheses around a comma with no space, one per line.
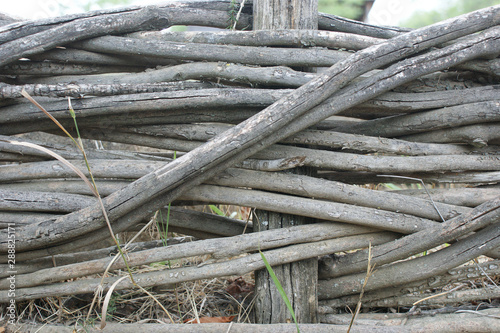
(239,288)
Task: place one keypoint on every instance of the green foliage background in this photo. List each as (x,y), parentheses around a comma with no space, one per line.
(346,8)
(453,8)
(105,3)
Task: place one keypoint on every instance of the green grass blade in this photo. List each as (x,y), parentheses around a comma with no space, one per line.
(393,187)
(216,210)
(280,289)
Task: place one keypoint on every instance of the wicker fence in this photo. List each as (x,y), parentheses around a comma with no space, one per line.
(216,117)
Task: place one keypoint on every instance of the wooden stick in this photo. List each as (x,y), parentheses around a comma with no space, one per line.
(275,76)
(477,135)
(415,269)
(283,183)
(53,69)
(216,248)
(118,22)
(83,256)
(237,144)
(237,266)
(209,52)
(319,138)
(278,37)
(79,90)
(449,117)
(392,294)
(448,231)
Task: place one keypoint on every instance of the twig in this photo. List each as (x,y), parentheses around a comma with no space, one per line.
(369,271)
(485,274)
(478,313)
(425,188)
(242,4)
(437,295)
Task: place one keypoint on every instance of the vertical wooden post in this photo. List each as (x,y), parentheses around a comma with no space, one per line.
(298,279)
(285,14)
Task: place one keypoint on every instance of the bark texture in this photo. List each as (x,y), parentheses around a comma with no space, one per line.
(299,279)
(222,118)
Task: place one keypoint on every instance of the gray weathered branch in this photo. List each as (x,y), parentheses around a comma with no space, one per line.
(283,37)
(331,160)
(448,117)
(477,135)
(448,231)
(415,269)
(238,144)
(279,76)
(123,21)
(463,196)
(160,101)
(400,294)
(238,266)
(77,90)
(47,69)
(210,52)
(217,248)
(328,139)
(88,255)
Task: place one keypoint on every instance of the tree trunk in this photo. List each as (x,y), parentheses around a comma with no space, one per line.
(299,279)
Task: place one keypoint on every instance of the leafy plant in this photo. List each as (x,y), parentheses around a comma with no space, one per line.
(233,11)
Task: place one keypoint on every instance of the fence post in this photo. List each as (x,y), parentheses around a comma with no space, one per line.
(299,279)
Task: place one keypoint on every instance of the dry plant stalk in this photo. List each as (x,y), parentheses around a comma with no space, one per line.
(369,271)
(93,188)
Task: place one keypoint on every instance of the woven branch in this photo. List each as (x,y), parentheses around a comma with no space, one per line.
(445,121)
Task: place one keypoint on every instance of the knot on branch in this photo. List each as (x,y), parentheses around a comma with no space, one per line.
(156,18)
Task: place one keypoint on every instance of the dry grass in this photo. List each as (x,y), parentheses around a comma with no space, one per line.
(185,301)
(232,296)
